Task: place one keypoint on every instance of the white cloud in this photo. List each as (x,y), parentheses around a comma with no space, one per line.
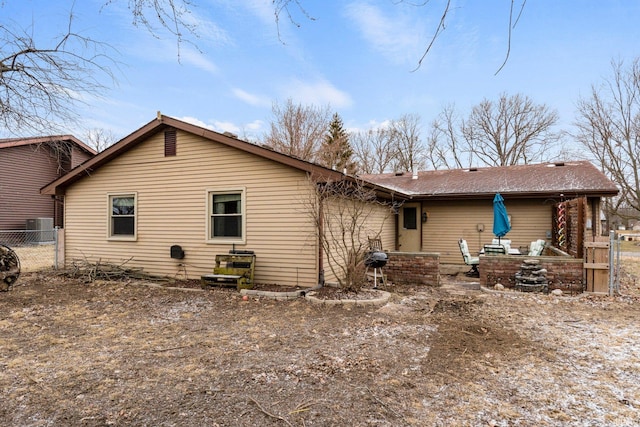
(197,59)
(248,130)
(148,50)
(371,125)
(265,11)
(206,29)
(226,127)
(255,125)
(396,34)
(320,92)
(262,9)
(251,99)
(216,126)
(197,122)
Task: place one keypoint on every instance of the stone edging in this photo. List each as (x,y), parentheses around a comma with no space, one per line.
(375,301)
(306,293)
(509,291)
(274,294)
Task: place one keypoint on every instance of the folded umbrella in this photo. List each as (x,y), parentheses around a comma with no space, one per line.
(501,224)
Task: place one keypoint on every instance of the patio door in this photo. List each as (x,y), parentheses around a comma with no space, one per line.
(409,228)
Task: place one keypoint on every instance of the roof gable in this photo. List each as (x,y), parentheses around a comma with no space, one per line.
(16,142)
(164,122)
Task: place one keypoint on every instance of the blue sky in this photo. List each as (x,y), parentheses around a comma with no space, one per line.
(355,56)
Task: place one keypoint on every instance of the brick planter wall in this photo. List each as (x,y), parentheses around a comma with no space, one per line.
(413,268)
(565,273)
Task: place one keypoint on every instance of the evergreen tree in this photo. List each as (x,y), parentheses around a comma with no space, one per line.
(335,151)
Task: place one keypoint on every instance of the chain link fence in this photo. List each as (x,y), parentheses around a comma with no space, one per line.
(36,249)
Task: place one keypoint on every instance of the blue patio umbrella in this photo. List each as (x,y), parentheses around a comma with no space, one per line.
(501,225)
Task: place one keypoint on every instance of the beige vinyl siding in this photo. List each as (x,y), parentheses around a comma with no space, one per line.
(452,220)
(383,220)
(172,209)
(379,222)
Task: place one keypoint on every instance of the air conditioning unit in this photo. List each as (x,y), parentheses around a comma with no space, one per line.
(39,230)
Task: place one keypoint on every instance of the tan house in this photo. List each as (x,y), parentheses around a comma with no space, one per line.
(172,183)
(455,204)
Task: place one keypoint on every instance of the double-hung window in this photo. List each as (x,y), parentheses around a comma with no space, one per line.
(226,215)
(122,216)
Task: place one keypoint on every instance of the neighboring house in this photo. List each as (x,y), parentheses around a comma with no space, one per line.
(27,165)
(172,183)
(447,205)
(624,218)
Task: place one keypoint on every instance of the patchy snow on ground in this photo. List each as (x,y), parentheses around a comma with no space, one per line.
(120,353)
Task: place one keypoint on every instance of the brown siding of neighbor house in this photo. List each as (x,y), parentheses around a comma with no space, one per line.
(78,156)
(172,210)
(23,171)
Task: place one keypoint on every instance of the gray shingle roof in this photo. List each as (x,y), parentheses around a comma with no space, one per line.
(576,178)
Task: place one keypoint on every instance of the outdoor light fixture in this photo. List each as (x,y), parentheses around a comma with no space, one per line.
(425,216)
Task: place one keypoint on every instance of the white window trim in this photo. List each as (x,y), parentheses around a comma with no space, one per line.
(243,206)
(121,238)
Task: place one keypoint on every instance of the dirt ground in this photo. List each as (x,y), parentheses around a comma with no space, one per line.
(126,354)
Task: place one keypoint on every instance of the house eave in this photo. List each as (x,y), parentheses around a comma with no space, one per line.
(58,187)
(555,194)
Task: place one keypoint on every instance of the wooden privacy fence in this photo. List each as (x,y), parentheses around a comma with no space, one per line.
(596,266)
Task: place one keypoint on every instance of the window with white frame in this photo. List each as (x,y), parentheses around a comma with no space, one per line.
(122,215)
(226,220)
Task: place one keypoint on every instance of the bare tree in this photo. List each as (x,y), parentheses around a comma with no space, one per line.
(100,139)
(288,8)
(397,147)
(298,130)
(513,130)
(42,83)
(373,150)
(346,213)
(409,151)
(608,126)
(40,86)
(446,148)
(170,15)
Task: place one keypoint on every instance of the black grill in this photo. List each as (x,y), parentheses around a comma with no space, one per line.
(376,259)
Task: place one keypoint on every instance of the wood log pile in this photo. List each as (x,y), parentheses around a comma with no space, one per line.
(88,272)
